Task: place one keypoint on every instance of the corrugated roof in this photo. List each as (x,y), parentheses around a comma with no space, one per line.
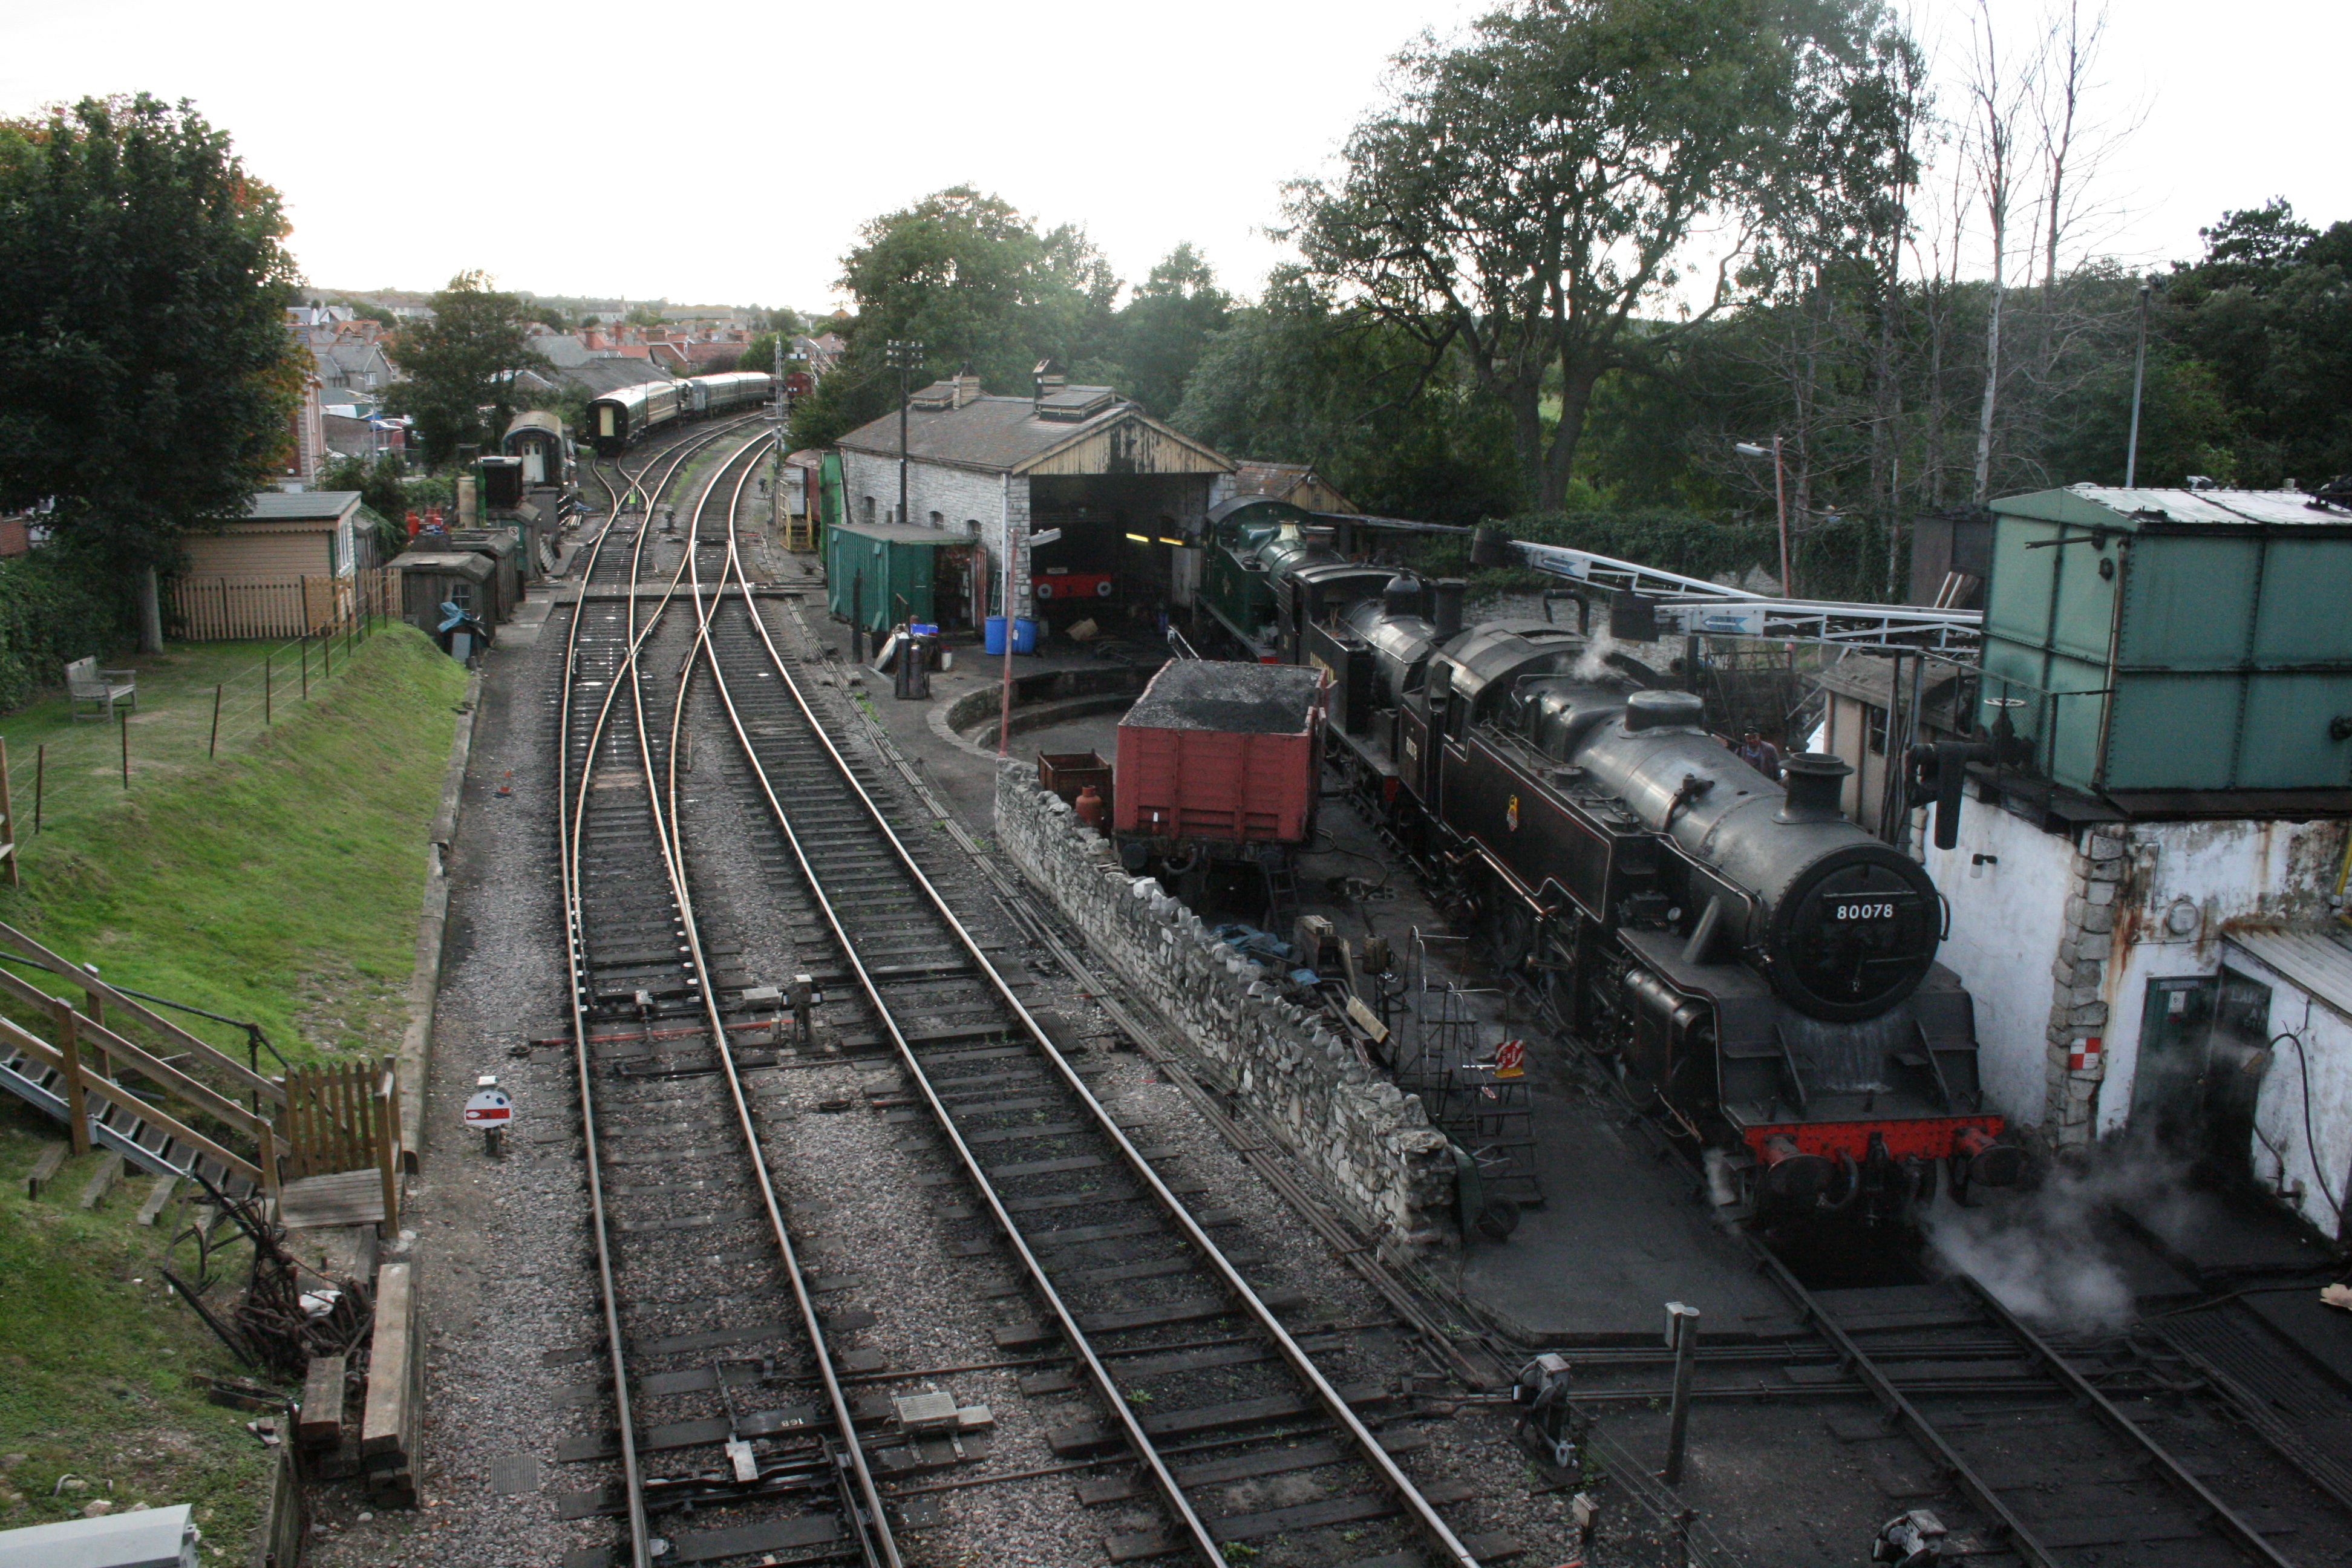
(2127,511)
(998,434)
(2319,961)
(299,506)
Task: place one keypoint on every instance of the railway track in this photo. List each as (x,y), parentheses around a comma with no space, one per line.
(2089,1449)
(725,1395)
(1196,1382)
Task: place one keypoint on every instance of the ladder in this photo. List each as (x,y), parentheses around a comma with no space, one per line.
(139,1140)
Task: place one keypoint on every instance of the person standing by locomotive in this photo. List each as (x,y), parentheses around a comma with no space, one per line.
(1760,754)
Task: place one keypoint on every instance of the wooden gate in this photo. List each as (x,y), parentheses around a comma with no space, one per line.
(335,1118)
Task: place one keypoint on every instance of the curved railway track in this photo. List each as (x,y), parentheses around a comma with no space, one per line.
(1149,1314)
(725,1397)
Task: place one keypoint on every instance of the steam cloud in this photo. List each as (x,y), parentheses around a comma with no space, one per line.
(2041,1256)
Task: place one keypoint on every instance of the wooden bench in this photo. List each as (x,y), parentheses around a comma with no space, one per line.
(102,689)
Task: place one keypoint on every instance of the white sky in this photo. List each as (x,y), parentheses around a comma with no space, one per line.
(726,152)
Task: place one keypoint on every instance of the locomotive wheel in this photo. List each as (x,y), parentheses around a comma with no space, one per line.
(1510,928)
(1498,1218)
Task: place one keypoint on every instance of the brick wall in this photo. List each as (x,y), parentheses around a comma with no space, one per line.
(1371,1142)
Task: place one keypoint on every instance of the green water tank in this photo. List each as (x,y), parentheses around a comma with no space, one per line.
(2171,640)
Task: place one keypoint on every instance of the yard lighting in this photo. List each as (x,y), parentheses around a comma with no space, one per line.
(1780,504)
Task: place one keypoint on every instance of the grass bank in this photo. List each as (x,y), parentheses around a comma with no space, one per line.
(95,1356)
(278,884)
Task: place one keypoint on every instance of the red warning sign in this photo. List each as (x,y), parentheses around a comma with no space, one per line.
(489,1108)
(1510,1058)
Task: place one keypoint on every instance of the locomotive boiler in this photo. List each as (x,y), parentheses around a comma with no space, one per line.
(1732,944)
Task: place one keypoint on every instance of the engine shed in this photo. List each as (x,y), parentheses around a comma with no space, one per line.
(1125,494)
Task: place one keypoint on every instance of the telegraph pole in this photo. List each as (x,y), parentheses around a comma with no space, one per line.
(907,355)
(776,458)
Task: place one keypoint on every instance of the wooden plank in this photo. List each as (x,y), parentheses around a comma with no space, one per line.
(245,1079)
(321,1422)
(388,1418)
(45,1169)
(157,1196)
(101,1181)
(198,1093)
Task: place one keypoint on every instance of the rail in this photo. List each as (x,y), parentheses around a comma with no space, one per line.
(1368,1448)
(661,798)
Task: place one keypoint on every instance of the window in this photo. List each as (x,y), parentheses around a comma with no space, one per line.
(937,521)
(869,509)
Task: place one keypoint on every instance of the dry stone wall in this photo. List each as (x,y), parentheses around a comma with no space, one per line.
(1370,1141)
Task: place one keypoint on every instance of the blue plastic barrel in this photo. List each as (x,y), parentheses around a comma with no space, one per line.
(992,636)
(1024,636)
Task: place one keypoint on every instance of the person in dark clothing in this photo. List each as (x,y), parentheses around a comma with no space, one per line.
(1760,754)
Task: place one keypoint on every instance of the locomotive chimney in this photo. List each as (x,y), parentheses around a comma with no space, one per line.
(1447,610)
(1815,781)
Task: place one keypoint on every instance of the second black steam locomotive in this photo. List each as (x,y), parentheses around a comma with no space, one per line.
(1739,947)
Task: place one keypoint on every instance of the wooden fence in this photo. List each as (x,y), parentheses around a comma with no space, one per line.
(226,609)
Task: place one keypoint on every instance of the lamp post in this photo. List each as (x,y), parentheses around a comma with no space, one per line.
(2139,374)
(1780,504)
(906,355)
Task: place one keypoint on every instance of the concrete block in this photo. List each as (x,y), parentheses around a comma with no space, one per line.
(2099,917)
(2090,1015)
(2103,846)
(2107,871)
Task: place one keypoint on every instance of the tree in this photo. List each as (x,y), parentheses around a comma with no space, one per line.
(1293,379)
(146,374)
(458,369)
(2268,312)
(974,282)
(1532,190)
(1166,325)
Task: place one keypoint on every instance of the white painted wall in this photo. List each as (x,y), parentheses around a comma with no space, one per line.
(2283,1157)
(2006,925)
(2228,871)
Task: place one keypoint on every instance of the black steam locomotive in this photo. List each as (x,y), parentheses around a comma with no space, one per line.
(1739,947)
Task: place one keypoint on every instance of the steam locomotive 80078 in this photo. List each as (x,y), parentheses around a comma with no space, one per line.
(1739,947)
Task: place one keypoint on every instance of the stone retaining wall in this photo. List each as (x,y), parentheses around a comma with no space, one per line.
(1371,1142)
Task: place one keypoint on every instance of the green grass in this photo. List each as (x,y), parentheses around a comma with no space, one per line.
(171,729)
(280,883)
(95,1357)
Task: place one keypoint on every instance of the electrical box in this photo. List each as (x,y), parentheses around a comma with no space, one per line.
(151,1538)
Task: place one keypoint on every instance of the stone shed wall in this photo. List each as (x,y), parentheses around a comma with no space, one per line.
(1370,1141)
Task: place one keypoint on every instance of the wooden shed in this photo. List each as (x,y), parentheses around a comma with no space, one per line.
(284,569)
(504,584)
(431,578)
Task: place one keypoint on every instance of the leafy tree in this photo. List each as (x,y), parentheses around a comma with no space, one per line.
(1293,379)
(384,489)
(2268,311)
(1165,326)
(146,375)
(968,277)
(458,369)
(1531,191)
(649,314)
